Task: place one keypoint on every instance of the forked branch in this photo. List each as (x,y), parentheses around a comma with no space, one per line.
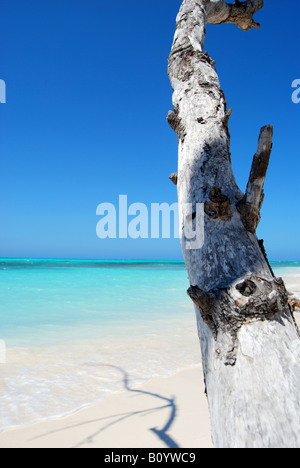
(239,13)
(250,205)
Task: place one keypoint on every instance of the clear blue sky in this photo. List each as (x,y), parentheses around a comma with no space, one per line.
(85,121)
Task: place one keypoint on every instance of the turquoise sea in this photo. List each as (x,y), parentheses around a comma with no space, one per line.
(70,325)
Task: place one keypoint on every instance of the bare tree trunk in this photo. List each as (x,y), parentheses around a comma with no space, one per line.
(249,340)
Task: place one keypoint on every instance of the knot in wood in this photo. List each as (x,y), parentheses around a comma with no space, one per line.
(247,288)
(218,206)
(225,313)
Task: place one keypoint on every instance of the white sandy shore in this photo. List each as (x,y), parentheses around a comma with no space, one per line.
(165,412)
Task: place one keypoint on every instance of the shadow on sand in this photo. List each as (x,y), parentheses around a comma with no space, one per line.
(113,420)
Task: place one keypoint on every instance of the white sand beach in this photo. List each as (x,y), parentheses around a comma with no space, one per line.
(164,412)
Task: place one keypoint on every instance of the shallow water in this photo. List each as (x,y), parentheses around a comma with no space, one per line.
(71,327)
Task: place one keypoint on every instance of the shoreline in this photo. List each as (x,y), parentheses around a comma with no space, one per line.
(164,412)
(100,400)
(167,411)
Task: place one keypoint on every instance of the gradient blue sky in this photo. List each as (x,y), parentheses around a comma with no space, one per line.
(85,121)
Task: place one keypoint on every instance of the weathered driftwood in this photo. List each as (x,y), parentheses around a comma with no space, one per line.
(294,303)
(250,344)
(251,204)
(174,178)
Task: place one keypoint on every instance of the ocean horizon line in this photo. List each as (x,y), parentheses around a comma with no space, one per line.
(86,260)
(90,260)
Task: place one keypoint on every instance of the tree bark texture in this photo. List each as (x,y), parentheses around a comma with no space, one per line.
(250,343)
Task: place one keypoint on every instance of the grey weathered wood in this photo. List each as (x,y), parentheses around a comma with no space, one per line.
(249,341)
(250,206)
(238,13)
(174,178)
